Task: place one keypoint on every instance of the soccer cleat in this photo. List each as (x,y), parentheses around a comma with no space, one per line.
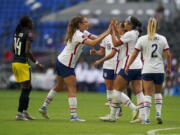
(135,114)
(146,122)
(28,116)
(159,120)
(108,118)
(136,121)
(44,112)
(76,118)
(20,117)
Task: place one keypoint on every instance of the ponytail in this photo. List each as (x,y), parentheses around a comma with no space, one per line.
(72,27)
(151,28)
(136,24)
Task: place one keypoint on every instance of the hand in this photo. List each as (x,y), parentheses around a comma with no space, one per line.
(40,66)
(126,70)
(92,51)
(168,70)
(97,63)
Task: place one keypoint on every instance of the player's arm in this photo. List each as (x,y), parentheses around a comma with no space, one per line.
(30,56)
(116,41)
(131,59)
(99,52)
(97,40)
(167,55)
(111,55)
(92,37)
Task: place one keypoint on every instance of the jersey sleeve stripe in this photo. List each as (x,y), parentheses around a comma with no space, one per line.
(84,40)
(114,49)
(89,35)
(137,49)
(165,49)
(121,42)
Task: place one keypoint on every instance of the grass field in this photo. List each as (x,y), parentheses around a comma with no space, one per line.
(91,106)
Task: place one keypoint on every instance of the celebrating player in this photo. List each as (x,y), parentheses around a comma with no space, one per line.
(153,46)
(77,36)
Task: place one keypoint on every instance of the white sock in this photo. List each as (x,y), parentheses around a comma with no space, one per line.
(147,105)
(126,100)
(49,97)
(115,102)
(158,103)
(140,103)
(109,96)
(73,106)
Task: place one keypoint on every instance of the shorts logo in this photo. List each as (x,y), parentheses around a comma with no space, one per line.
(105,74)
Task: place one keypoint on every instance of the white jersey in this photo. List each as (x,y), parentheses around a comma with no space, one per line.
(129,39)
(70,55)
(107,44)
(152,51)
(121,53)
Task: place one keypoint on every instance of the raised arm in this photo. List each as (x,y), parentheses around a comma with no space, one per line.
(131,60)
(116,41)
(167,55)
(98,39)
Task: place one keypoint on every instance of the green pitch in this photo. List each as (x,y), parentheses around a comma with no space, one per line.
(91,106)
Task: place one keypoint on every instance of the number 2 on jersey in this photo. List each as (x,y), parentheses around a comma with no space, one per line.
(153,54)
(17,46)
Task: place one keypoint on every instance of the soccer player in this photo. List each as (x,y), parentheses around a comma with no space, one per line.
(111,63)
(20,65)
(153,46)
(128,40)
(76,37)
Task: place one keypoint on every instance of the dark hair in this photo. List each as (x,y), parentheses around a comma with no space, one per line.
(136,24)
(72,27)
(25,22)
(122,24)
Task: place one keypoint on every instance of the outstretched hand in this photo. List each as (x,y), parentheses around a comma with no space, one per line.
(97,63)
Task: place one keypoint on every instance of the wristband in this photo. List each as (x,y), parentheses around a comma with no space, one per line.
(37,62)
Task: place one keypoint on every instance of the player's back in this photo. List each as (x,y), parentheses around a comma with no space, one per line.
(152,51)
(19,45)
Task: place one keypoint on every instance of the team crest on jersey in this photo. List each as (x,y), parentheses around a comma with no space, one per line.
(20,35)
(108,46)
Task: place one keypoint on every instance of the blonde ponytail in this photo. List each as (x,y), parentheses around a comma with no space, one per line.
(151,28)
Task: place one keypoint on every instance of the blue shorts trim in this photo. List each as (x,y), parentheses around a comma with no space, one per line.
(133,74)
(157,78)
(63,71)
(109,74)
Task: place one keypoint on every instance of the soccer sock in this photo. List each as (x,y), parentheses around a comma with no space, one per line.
(109,96)
(147,105)
(158,103)
(115,102)
(140,103)
(73,106)
(24,99)
(126,100)
(49,97)
(27,96)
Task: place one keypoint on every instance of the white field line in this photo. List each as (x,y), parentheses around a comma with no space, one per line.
(153,132)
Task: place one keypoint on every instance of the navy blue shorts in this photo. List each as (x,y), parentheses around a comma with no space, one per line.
(63,71)
(133,74)
(109,74)
(157,78)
